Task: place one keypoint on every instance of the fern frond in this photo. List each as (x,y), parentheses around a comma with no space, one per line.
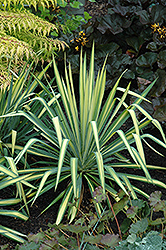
(9,4)
(48,46)
(14,22)
(11,47)
(5,77)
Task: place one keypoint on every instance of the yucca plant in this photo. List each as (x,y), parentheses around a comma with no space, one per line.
(8,232)
(79,142)
(14,95)
(9,177)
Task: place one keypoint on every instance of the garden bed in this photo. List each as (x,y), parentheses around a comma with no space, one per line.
(37,221)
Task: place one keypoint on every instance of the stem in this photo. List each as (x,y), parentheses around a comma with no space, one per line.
(109,229)
(78,242)
(62,246)
(64,233)
(162,225)
(120,234)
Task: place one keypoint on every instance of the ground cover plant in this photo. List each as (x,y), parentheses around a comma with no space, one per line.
(77,140)
(93,231)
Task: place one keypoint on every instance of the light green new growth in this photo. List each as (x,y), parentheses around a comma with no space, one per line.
(23,34)
(8,4)
(13,22)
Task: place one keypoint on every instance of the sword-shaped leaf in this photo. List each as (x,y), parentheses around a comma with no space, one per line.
(61,159)
(64,204)
(112,172)
(74,164)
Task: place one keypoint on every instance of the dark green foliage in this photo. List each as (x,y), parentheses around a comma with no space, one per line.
(133,34)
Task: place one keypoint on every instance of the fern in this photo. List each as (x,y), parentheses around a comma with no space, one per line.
(14,22)
(31,29)
(5,77)
(46,45)
(23,34)
(11,47)
(9,4)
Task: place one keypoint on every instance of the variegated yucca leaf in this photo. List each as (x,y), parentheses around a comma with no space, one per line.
(12,234)
(15,96)
(5,231)
(80,144)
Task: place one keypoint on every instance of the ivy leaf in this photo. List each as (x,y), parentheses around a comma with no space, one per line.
(155,197)
(110,240)
(139,226)
(139,203)
(52,244)
(75,228)
(131,238)
(93,239)
(35,237)
(131,212)
(29,246)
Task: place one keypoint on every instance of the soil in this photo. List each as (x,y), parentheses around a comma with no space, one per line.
(37,221)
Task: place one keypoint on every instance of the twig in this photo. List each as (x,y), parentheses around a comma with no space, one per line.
(64,233)
(120,234)
(78,242)
(62,246)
